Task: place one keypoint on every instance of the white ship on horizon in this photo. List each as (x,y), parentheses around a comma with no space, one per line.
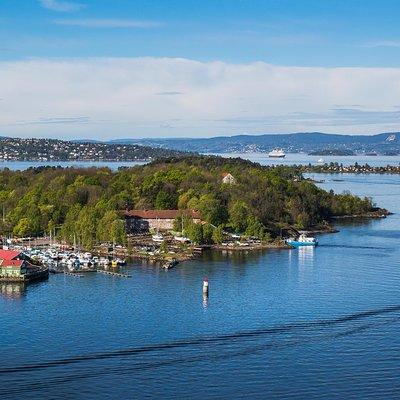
(277,153)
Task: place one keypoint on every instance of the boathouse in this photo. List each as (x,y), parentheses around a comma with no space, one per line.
(16,266)
(141,221)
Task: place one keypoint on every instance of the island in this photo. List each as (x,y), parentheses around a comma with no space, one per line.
(171,207)
(356,168)
(332,152)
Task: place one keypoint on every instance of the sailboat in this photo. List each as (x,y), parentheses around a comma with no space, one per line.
(182,238)
(158,237)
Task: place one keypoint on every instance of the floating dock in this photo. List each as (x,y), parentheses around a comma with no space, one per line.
(101,271)
(73,274)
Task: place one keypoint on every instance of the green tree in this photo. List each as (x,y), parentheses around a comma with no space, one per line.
(23,228)
(164,247)
(165,200)
(212,210)
(208,232)
(118,232)
(195,233)
(238,216)
(255,228)
(218,235)
(86,227)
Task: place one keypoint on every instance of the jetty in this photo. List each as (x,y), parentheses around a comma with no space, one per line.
(75,275)
(112,273)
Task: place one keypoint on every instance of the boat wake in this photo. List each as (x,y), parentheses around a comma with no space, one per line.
(46,375)
(349,246)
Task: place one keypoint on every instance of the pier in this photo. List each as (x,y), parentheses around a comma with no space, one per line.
(102,271)
(75,275)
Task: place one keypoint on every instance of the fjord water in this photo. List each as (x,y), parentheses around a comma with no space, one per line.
(294,324)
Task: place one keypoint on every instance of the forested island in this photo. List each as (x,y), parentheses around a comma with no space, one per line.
(88,204)
(332,152)
(356,168)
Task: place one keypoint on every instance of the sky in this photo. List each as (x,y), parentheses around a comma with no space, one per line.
(106,69)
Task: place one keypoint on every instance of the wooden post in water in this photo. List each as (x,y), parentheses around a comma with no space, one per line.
(205,287)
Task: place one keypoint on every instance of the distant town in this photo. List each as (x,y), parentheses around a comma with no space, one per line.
(36,149)
(309,142)
(17,149)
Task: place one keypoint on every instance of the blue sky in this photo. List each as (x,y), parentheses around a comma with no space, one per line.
(284,32)
(198,68)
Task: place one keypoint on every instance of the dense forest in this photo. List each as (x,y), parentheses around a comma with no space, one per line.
(85,204)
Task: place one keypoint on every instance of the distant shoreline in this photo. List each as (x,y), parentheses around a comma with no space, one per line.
(335,168)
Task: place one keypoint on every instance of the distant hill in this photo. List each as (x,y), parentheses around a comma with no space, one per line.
(291,142)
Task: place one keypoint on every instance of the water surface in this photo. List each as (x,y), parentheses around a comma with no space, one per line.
(305,159)
(298,324)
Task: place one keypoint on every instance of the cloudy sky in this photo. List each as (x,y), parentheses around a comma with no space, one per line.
(106,69)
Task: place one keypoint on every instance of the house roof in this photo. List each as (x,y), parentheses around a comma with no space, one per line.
(9,254)
(11,263)
(161,214)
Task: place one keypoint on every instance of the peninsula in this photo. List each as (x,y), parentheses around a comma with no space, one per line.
(202,200)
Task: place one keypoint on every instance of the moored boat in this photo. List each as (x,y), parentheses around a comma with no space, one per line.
(302,240)
(158,237)
(182,239)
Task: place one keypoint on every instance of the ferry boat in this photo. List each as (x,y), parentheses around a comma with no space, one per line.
(302,240)
(277,153)
(320,161)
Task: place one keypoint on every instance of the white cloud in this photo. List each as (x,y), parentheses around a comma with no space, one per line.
(384,43)
(143,97)
(108,23)
(61,6)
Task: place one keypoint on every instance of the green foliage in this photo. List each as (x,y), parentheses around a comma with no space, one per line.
(195,233)
(165,200)
(255,228)
(238,216)
(218,235)
(85,204)
(212,210)
(208,232)
(164,247)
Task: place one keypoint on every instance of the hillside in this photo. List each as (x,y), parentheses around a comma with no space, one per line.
(292,142)
(86,204)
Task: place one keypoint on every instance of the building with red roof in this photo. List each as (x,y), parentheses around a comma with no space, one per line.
(16,266)
(141,221)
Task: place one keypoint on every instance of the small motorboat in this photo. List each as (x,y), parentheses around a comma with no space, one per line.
(158,238)
(182,239)
(302,240)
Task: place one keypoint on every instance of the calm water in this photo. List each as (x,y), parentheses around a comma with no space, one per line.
(262,158)
(298,324)
(304,159)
